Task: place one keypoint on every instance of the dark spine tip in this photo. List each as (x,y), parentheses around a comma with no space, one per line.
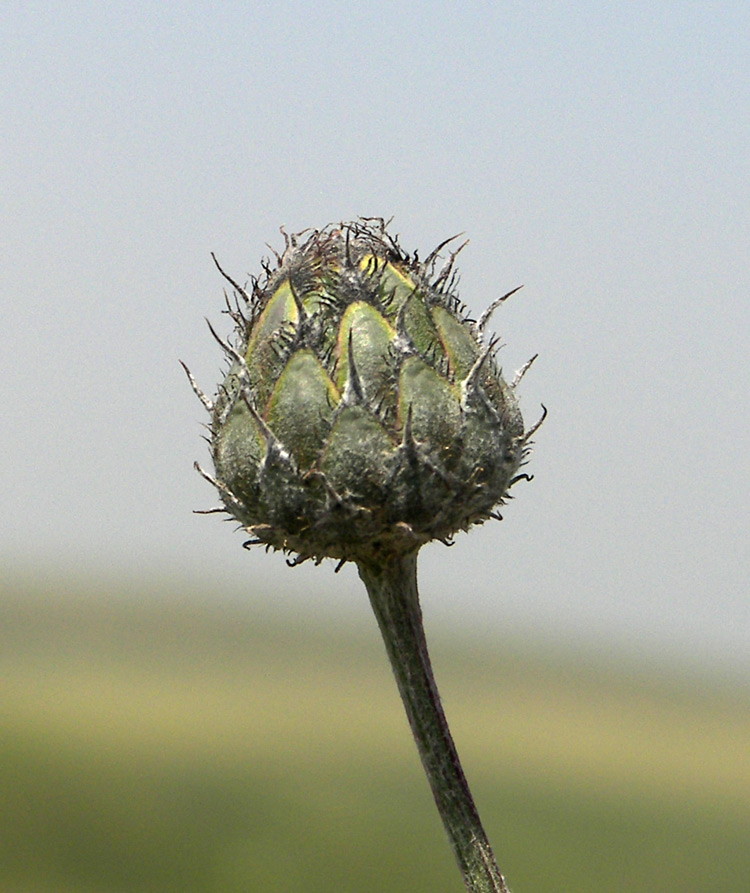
(231,281)
(208,404)
(534,428)
(522,371)
(354,393)
(485,317)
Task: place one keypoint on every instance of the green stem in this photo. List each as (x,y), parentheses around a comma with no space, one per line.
(392,587)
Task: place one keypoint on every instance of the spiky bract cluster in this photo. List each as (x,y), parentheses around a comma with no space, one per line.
(362,412)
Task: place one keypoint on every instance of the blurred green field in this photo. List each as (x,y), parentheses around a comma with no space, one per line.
(160,743)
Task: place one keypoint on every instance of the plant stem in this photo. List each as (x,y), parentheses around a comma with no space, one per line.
(392,587)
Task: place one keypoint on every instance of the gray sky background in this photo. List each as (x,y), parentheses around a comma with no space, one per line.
(596,153)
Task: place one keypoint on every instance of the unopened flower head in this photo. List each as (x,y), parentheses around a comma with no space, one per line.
(362,412)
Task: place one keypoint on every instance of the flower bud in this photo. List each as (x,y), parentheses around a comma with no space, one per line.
(362,412)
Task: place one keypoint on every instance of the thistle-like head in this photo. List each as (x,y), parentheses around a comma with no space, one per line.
(362,413)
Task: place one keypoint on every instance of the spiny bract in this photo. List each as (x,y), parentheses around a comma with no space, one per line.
(362,413)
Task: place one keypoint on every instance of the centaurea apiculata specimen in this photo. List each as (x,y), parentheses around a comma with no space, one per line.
(363,415)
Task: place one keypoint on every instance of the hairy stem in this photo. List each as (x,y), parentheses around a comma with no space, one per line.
(392,587)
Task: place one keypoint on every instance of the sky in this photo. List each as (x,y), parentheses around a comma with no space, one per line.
(598,154)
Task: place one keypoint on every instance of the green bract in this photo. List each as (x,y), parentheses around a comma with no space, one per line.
(362,411)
